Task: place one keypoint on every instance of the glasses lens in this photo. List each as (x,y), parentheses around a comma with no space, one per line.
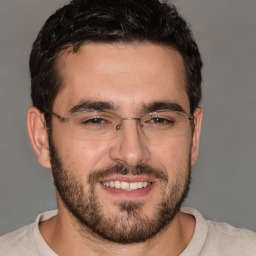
(93,125)
(102,125)
(165,124)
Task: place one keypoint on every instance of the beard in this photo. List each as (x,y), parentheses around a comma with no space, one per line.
(130,225)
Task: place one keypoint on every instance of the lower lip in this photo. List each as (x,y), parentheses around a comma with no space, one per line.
(128,195)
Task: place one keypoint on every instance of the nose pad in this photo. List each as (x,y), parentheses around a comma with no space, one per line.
(140,125)
(118,127)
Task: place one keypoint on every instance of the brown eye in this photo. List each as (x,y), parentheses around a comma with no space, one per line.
(160,120)
(95,121)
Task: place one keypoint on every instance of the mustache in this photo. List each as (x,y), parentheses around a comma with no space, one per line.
(122,169)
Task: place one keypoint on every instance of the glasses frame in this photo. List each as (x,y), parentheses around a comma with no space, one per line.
(190,117)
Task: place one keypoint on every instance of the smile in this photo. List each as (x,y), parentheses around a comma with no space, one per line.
(128,186)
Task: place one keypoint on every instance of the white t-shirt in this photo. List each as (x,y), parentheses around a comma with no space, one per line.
(209,239)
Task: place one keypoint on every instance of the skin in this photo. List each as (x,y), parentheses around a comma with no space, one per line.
(128,75)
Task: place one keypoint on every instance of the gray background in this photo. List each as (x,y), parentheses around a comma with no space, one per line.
(224,179)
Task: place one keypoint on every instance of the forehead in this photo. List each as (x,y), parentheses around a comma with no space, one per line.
(125,74)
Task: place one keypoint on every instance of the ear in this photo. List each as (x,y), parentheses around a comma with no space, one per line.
(198,116)
(38,136)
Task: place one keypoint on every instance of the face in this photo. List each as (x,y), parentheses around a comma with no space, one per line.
(153,172)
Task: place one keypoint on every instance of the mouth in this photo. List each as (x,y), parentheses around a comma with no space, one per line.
(128,188)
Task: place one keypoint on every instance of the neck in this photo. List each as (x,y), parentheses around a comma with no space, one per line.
(64,236)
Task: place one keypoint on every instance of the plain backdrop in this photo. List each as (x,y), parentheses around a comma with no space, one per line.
(224,179)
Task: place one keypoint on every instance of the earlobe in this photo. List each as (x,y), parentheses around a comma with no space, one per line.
(198,116)
(38,136)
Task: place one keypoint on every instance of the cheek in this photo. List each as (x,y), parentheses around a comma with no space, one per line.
(172,154)
(80,155)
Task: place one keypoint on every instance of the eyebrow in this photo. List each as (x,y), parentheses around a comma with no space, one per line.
(162,105)
(103,106)
(100,106)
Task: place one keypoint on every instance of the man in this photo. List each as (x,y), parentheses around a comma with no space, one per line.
(116,87)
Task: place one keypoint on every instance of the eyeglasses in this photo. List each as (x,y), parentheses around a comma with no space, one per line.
(105,125)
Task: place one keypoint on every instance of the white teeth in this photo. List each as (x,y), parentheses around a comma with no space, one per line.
(133,185)
(128,186)
(117,184)
(124,185)
(140,184)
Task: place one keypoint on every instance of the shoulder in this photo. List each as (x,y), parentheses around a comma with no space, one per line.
(223,235)
(14,243)
(27,240)
(214,238)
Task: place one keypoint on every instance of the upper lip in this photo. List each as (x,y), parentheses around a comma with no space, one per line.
(139,178)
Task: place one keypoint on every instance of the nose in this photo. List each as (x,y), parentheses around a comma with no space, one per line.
(130,146)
